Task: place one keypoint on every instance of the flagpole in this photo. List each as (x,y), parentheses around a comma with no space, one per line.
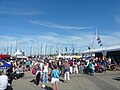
(7,51)
(95,36)
(41,50)
(96,32)
(59,47)
(31,50)
(16,46)
(98,38)
(44,49)
(11,50)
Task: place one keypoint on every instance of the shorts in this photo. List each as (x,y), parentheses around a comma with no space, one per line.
(27,66)
(53,80)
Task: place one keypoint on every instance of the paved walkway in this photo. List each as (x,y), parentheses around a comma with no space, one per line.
(100,81)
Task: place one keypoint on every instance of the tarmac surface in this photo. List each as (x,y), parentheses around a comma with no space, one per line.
(100,81)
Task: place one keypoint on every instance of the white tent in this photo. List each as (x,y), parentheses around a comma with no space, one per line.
(22,57)
(67,57)
(59,56)
(18,53)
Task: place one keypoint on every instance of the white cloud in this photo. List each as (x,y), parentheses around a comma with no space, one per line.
(111,40)
(50,33)
(7,37)
(53,25)
(17,11)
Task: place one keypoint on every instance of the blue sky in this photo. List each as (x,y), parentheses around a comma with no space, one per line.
(69,22)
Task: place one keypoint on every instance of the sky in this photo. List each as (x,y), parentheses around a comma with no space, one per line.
(36,24)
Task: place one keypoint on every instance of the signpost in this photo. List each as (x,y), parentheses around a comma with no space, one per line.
(104,54)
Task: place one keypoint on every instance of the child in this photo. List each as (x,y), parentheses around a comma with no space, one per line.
(55,78)
(81,68)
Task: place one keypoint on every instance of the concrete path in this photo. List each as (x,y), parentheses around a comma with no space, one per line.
(100,81)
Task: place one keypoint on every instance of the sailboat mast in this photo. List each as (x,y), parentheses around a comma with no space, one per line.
(11,50)
(16,45)
(44,49)
(96,33)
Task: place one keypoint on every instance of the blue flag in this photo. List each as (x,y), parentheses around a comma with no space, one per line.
(65,49)
(73,51)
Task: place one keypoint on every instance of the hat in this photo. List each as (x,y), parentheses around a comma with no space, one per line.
(43,86)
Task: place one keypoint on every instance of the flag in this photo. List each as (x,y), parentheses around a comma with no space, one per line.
(73,51)
(98,39)
(101,44)
(57,52)
(65,49)
(89,48)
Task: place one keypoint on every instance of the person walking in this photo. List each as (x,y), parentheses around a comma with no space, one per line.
(45,72)
(105,65)
(67,72)
(90,67)
(55,77)
(75,67)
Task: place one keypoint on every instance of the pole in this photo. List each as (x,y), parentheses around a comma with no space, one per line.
(16,46)
(11,50)
(44,49)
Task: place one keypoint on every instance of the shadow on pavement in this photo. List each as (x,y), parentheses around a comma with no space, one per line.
(116,78)
(9,88)
(48,88)
(61,80)
(33,81)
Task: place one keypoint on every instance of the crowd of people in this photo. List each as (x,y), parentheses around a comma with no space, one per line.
(51,70)
(8,74)
(46,70)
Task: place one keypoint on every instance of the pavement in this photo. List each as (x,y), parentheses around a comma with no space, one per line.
(100,81)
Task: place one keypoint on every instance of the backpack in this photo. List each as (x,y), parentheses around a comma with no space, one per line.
(33,71)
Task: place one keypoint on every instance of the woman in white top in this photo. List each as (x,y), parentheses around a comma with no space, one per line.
(45,72)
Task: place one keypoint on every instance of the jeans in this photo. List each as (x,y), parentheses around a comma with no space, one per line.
(45,77)
(93,71)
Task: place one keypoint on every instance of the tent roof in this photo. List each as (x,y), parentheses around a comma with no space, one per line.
(108,49)
(21,57)
(18,53)
(59,56)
